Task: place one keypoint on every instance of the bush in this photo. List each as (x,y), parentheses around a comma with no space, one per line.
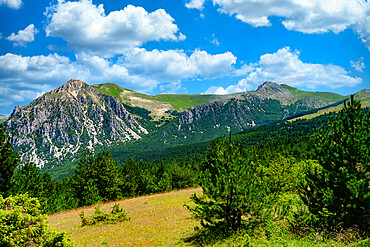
(233,191)
(337,191)
(22,224)
(117,215)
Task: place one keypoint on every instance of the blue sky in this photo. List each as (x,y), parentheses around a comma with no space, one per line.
(177,46)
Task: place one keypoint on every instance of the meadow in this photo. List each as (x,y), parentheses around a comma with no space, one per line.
(156,220)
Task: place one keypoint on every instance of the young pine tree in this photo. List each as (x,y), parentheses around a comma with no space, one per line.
(9,160)
(338,189)
(233,192)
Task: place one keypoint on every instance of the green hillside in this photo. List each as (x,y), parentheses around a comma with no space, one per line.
(320,95)
(363,96)
(158,105)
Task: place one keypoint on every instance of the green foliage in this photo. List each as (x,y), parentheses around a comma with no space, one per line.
(22,224)
(337,191)
(95,179)
(233,192)
(282,174)
(8,162)
(117,215)
(29,179)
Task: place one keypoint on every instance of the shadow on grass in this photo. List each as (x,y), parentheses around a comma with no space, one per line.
(210,236)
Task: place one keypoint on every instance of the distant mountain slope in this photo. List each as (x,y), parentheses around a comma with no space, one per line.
(158,105)
(3,118)
(363,96)
(68,120)
(162,105)
(270,102)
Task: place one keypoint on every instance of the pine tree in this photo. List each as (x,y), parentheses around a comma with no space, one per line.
(95,179)
(338,189)
(233,192)
(9,160)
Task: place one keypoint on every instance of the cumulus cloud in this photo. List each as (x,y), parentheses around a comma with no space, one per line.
(14,4)
(359,65)
(195,4)
(285,66)
(216,90)
(314,16)
(24,36)
(362,28)
(87,28)
(175,65)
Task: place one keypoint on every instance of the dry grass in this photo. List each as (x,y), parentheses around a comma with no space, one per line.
(156,220)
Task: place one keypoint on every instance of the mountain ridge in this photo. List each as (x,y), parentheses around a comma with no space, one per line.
(59,126)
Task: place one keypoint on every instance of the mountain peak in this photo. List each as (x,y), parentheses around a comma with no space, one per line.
(268,85)
(71,88)
(73,84)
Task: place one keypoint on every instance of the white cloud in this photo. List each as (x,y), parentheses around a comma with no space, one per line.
(195,4)
(87,28)
(362,28)
(214,40)
(285,66)
(175,65)
(24,36)
(359,65)
(216,90)
(306,16)
(244,70)
(14,4)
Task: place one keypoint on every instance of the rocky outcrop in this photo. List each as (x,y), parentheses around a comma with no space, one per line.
(69,119)
(270,102)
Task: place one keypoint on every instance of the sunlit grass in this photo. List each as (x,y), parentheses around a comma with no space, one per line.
(156,220)
(327,111)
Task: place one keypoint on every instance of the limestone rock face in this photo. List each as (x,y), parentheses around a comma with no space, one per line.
(69,119)
(270,102)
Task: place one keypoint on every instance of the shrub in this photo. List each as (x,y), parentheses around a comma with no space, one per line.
(337,191)
(22,224)
(117,215)
(233,191)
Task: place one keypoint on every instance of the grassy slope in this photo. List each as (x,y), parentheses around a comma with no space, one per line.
(363,96)
(320,95)
(156,220)
(157,104)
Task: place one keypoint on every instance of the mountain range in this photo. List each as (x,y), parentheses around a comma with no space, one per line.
(61,125)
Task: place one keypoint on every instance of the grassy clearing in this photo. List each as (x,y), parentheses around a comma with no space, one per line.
(156,220)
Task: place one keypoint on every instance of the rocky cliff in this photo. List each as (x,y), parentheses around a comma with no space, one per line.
(268,103)
(70,119)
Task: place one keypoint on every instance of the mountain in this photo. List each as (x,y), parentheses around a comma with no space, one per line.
(159,105)
(69,119)
(3,118)
(270,102)
(61,125)
(363,96)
